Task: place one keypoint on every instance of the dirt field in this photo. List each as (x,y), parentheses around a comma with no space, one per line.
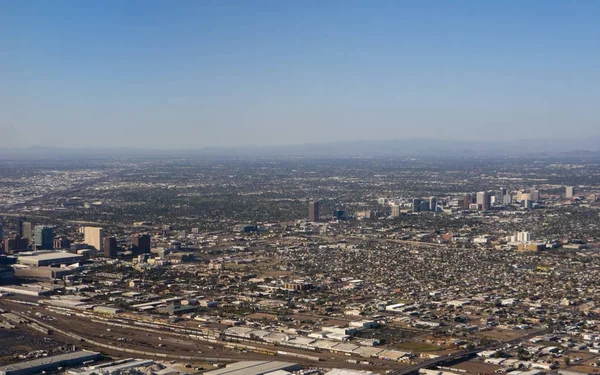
(477,367)
(498,334)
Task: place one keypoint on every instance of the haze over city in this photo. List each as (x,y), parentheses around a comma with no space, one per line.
(194,74)
(272,187)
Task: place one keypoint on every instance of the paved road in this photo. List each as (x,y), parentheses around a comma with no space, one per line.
(434,361)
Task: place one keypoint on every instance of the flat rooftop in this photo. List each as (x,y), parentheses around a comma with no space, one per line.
(253,368)
(48,361)
(51,256)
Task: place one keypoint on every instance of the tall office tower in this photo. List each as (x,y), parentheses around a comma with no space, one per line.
(15,244)
(432,203)
(27,231)
(395,210)
(424,205)
(416,204)
(467,200)
(44,237)
(141,244)
(93,236)
(20,227)
(502,192)
(110,247)
(569,192)
(507,199)
(313,211)
(483,200)
(528,203)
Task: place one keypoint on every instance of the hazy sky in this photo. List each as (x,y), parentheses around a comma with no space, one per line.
(199,73)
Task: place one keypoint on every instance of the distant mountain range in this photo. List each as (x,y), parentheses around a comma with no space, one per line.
(589,147)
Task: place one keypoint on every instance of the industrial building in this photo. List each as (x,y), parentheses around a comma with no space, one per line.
(47,363)
(254,368)
(41,273)
(109,310)
(48,258)
(28,290)
(112,367)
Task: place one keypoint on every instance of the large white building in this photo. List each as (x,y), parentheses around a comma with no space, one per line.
(255,368)
(521,237)
(93,236)
(569,192)
(47,258)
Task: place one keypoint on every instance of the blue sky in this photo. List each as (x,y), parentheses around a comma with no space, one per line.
(186,74)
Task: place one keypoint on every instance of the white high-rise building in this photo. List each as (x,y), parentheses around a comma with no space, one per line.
(93,236)
(395,210)
(523,237)
(569,191)
(483,200)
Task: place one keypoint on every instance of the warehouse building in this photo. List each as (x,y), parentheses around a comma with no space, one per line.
(41,259)
(255,368)
(41,273)
(48,363)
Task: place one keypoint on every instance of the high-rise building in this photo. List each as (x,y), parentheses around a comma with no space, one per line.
(523,237)
(44,237)
(507,199)
(425,205)
(535,194)
(1,232)
(313,211)
(432,203)
(467,200)
(141,244)
(483,200)
(569,192)
(27,231)
(528,203)
(19,227)
(62,243)
(500,196)
(93,236)
(416,204)
(395,210)
(110,247)
(339,214)
(15,244)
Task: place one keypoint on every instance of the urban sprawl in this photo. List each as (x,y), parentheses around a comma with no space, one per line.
(300,266)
